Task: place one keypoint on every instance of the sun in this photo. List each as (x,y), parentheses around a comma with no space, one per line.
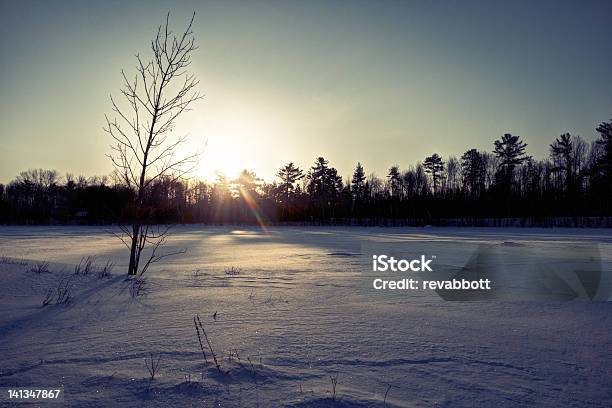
(236,135)
(231,145)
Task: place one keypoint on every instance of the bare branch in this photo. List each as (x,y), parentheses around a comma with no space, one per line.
(145,149)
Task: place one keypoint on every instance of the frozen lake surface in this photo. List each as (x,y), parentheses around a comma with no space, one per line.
(294,314)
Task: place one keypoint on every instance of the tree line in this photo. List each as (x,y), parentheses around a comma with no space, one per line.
(574,181)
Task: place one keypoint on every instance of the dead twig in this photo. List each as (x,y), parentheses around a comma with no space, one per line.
(199,326)
(386,392)
(152,365)
(40,267)
(334,382)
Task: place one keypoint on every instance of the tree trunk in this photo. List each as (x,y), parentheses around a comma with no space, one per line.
(133,267)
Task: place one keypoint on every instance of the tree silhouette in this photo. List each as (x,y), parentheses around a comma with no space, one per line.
(452,175)
(604,162)
(247,181)
(473,172)
(289,175)
(434,166)
(562,155)
(317,178)
(145,149)
(358,182)
(510,151)
(395,181)
(323,181)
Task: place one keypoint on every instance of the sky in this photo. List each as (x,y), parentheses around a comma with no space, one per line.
(380,82)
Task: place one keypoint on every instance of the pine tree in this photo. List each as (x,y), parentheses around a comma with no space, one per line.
(562,155)
(289,175)
(358,182)
(510,151)
(247,182)
(604,163)
(473,172)
(316,177)
(434,166)
(395,181)
(323,181)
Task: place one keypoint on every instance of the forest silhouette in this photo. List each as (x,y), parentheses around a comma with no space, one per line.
(573,186)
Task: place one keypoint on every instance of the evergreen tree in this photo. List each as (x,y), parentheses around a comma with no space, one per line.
(562,155)
(317,177)
(510,151)
(289,175)
(358,182)
(247,183)
(473,172)
(323,181)
(434,166)
(395,181)
(604,162)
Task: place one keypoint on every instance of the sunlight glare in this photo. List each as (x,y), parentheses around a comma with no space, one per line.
(230,145)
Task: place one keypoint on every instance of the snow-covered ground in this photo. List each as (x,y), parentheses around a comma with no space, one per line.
(294,315)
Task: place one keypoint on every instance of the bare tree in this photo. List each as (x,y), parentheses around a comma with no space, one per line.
(145,150)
